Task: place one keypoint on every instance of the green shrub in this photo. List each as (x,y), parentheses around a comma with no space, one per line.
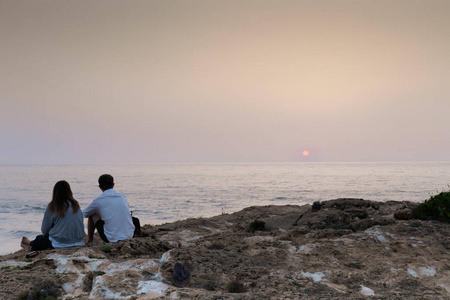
(316,206)
(257,225)
(46,290)
(106,249)
(437,207)
(235,286)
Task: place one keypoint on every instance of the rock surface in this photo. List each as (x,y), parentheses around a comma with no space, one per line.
(344,248)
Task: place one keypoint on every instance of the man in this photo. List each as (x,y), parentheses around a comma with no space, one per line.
(109,213)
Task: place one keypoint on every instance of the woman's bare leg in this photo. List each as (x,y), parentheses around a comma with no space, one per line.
(25,244)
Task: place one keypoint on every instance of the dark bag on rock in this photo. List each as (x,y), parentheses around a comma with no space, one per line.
(137,227)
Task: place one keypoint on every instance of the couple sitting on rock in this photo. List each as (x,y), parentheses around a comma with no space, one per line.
(63,225)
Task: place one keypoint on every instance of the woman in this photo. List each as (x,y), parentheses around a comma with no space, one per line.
(63,222)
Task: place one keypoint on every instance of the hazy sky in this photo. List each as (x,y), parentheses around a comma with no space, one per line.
(224,81)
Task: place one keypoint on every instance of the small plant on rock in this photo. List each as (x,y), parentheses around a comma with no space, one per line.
(106,249)
(46,290)
(235,286)
(92,256)
(257,225)
(316,206)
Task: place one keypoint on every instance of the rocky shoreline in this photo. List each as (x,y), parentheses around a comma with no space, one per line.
(337,249)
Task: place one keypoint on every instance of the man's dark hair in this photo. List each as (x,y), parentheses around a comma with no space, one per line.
(106,182)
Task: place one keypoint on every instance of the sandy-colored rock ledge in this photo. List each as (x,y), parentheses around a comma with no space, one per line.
(349,248)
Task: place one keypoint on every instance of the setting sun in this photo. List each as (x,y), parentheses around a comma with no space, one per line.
(305,153)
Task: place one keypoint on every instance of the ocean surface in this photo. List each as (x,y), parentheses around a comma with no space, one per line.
(160,193)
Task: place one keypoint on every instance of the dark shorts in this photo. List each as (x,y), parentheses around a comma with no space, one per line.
(41,242)
(101,231)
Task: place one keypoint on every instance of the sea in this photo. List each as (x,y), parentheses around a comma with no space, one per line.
(161,193)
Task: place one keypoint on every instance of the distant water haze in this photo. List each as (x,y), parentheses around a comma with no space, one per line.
(160,193)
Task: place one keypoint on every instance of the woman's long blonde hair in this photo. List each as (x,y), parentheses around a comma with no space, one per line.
(62,196)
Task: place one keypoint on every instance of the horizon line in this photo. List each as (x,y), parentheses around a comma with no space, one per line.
(220,162)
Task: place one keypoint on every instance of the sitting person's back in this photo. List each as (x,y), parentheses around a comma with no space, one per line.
(109,213)
(64,231)
(62,225)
